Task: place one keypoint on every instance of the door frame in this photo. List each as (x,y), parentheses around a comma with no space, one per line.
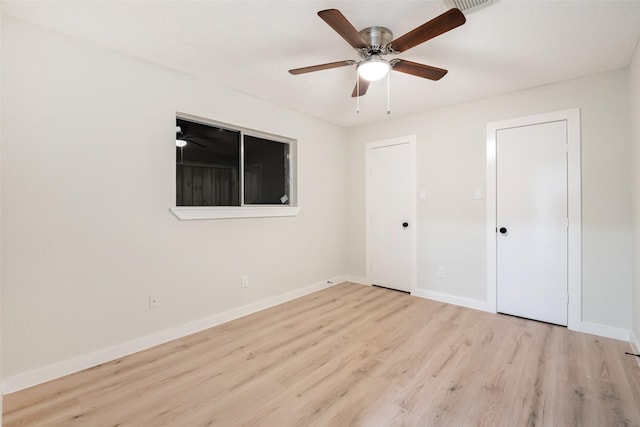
(411,141)
(574,197)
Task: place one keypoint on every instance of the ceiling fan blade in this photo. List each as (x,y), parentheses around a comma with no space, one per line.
(364,85)
(320,67)
(441,24)
(420,70)
(342,26)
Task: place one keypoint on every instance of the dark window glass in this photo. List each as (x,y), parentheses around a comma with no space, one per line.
(266,172)
(208,166)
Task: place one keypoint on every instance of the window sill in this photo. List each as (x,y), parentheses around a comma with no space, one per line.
(218,212)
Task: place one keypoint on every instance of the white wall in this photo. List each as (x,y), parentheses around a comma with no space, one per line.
(451,164)
(634,98)
(1,376)
(88,178)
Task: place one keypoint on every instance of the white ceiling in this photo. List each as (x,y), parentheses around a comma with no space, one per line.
(250,45)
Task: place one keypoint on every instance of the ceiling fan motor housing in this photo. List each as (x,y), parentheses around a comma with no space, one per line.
(378,38)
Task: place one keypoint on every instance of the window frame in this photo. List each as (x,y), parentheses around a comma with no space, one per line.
(244,210)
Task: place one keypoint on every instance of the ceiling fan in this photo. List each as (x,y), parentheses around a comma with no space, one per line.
(373,43)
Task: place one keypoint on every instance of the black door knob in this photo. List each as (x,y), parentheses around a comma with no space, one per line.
(405,224)
(503,230)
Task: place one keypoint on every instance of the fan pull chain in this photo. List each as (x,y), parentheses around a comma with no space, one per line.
(388,93)
(357,92)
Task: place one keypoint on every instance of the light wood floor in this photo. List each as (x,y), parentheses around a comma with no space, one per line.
(353,355)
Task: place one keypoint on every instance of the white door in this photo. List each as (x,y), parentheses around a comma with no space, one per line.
(390,215)
(531,195)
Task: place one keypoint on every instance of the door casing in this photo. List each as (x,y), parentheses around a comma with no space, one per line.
(411,141)
(572,118)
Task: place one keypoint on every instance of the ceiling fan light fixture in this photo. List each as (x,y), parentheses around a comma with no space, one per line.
(373,69)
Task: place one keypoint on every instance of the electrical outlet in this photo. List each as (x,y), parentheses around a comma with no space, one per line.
(441,272)
(154,302)
(245,281)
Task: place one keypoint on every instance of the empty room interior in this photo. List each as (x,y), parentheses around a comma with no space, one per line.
(374,213)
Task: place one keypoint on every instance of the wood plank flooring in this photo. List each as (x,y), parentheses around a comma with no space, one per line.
(353,355)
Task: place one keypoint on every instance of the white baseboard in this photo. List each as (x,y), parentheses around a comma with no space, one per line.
(586,327)
(69,366)
(453,299)
(605,331)
(635,345)
(357,279)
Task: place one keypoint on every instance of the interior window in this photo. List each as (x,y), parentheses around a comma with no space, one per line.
(220,166)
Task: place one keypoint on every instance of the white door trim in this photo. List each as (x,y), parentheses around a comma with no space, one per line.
(572,117)
(411,140)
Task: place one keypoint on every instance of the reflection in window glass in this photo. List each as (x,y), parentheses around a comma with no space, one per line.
(266,172)
(207,166)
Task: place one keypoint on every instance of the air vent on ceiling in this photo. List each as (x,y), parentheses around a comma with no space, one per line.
(468,6)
